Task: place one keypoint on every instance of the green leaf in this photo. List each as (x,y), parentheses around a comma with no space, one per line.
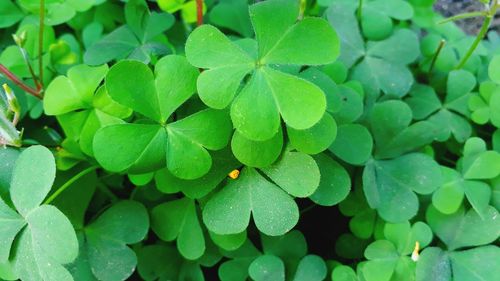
(48,240)
(103,243)
(228,211)
(223,164)
(229,242)
(297,173)
(404,236)
(383,260)
(267,268)
(341,16)
(311,268)
(315,139)
(464,229)
(389,185)
(131,83)
(144,143)
(485,166)
(335,183)
(353,144)
(257,153)
(189,138)
(384,67)
(178,220)
(476,264)
(184,142)
(219,51)
(319,44)
(12,223)
(9,14)
(32,178)
(151,263)
(233,15)
(393,134)
(10,156)
(269,32)
(118,44)
(344,273)
(433,264)
(493,69)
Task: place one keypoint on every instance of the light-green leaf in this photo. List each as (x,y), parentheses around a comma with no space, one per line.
(178,220)
(228,212)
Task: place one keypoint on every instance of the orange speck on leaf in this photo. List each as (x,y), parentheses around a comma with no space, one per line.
(234,174)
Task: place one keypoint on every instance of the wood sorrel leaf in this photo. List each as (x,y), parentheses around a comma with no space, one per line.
(275,92)
(179,220)
(43,235)
(273,210)
(389,185)
(181,144)
(103,243)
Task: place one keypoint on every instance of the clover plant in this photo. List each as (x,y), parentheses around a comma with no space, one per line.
(234,140)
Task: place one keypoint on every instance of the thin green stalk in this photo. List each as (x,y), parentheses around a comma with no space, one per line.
(484,29)
(436,54)
(464,16)
(359,12)
(69,183)
(40,42)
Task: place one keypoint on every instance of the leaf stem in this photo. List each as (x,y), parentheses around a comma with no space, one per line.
(199,12)
(359,12)
(436,54)
(463,16)
(68,183)
(40,43)
(12,77)
(484,29)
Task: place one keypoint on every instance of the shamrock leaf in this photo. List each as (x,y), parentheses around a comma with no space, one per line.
(103,243)
(464,229)
(393,134)
(152,266)
(384,64)
(60,11)
(479,163)
(179,220)
(448,198)
(485,104)
(276,93)
(10,14)
(388,259)
(140,38)
(269,267)
(450,116)
(224,163)
(364,219)
(493,69)
(81,112)
(389,185)
(232,14)
(228,212)
(181,144)
(335,183)
(45,239)
(344,273)
(474,264)
(376,20)
(353,144)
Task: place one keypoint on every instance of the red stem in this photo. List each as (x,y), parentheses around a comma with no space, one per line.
(18,82)
(199,12)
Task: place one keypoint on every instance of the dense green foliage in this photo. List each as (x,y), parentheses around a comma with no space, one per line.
(140,144)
